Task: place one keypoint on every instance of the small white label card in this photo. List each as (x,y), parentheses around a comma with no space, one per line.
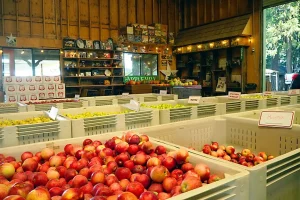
(194,100)
(53,113)
(125,94)
(234,95)
(163,92)
(135,105)
(77,96)
(294,92)
(276,119)
(268,93)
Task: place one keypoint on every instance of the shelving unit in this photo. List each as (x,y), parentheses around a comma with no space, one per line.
(92,70)
(226,62)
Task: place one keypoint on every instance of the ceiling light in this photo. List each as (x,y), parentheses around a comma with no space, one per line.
(42,51)
(22,52)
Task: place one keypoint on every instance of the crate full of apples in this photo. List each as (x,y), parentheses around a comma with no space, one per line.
(245,157)
(44,105)
(108,167)
(94,120)
(31,127)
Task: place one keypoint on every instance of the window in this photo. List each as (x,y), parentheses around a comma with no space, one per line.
(46,62)
(140,64)
(281,45)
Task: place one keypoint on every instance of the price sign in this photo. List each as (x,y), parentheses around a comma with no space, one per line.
(268,93)
(234,95)
(135,105)
(194,100)
(53,113)
(293,92)
(125,94)
(163,92)
(276,119)
(77,96)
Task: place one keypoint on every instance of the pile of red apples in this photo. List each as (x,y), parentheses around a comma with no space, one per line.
(126,168)
(245,157)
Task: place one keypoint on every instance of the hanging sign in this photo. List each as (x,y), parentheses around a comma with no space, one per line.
(276,119)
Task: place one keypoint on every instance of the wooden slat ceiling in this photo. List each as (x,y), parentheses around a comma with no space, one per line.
(237,26)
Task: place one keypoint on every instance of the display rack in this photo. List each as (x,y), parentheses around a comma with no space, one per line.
(91,70)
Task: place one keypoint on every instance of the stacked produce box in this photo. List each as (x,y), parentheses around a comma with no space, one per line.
(32,88)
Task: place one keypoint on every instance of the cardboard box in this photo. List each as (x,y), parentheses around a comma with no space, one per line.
(51,87)
(11,98)
(21,88)
(42,95)
(145,39)
(47,79)
(56,79)
(9,80)
(42,87)
(23,97)
(33,96)
(29,79)
(60,94)
(151,30)
(9,89)
(38,79)
(60,87)
(32,88)
(50,95)
(144,29)
(20,79)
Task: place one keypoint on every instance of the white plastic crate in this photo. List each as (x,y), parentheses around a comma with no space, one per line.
(33,133)
(12,108)
(174,114)
(110,123)
(43,106)
(230,106)
(168,97)
(234,186)
(273,180)
(278,99)
(100,100)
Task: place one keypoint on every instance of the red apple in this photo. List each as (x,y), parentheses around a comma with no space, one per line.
(163,196)
(143,179)
(110,144)
(148,196)
(182,156)
(245,152)
(14,197)
(21,189)
(203,171)
(46,153)
(177,174)
(159,173)
(112,166)
(134,139)
(139,159)
(220,152)
(187,167)
(121,158)
(26,155)
(169,163)
(169,183)
(270,157)
(213,178)
(234,156)
(40,179)
(129,164)
(79,181)
(53,174)
(72,194)
(127,196)
(250,157)
(110,179)
(87,188)
(156,187)
(230,150)
(103,191)
(85,172)
(257,160)
(56,191)
(3,191)
(227,157)
(124,183)
(176,191)
(214,154)
(39,193)
(153,162)
(87,141)
(135,188)
(70,174)
(234,161)
(97,177)
(123,173)
(160,150)
(137,169)
(115,187)
(263,155)
(190,183)
(20,175)
(61,170)
(97,143)
(206,149)
(144,138)
(214,146)
(133,149)
(133,176)
(53,183)
(29,165)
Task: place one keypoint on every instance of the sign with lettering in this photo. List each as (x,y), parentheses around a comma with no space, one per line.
(163,92)
(268,93)
(194,100)
(77,96)
(294,92)
(276,119)
(140,78)
(125,94)
(234,95)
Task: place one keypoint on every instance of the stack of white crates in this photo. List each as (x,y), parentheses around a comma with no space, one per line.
(32,88)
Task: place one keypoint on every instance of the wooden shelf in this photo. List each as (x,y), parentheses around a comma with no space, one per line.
(100,67)
(84,49)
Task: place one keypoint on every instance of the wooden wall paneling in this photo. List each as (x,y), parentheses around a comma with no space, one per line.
(49,18)
(83,19)
(172,17)
(114,14)
(9,8)
(100,19)
(104,19)
(131,12)
(2,17)
(164,9)
(186,13)
(244,6)
(224,9)
(155,11)
(200,11)
(193,13)
(216,10)
(177,15)
(232,8)
(55,3)
(78,18)
(68,18)
(123,15)
(140,11)
(73,18)
(17,18)
(148,12)
(208,11)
